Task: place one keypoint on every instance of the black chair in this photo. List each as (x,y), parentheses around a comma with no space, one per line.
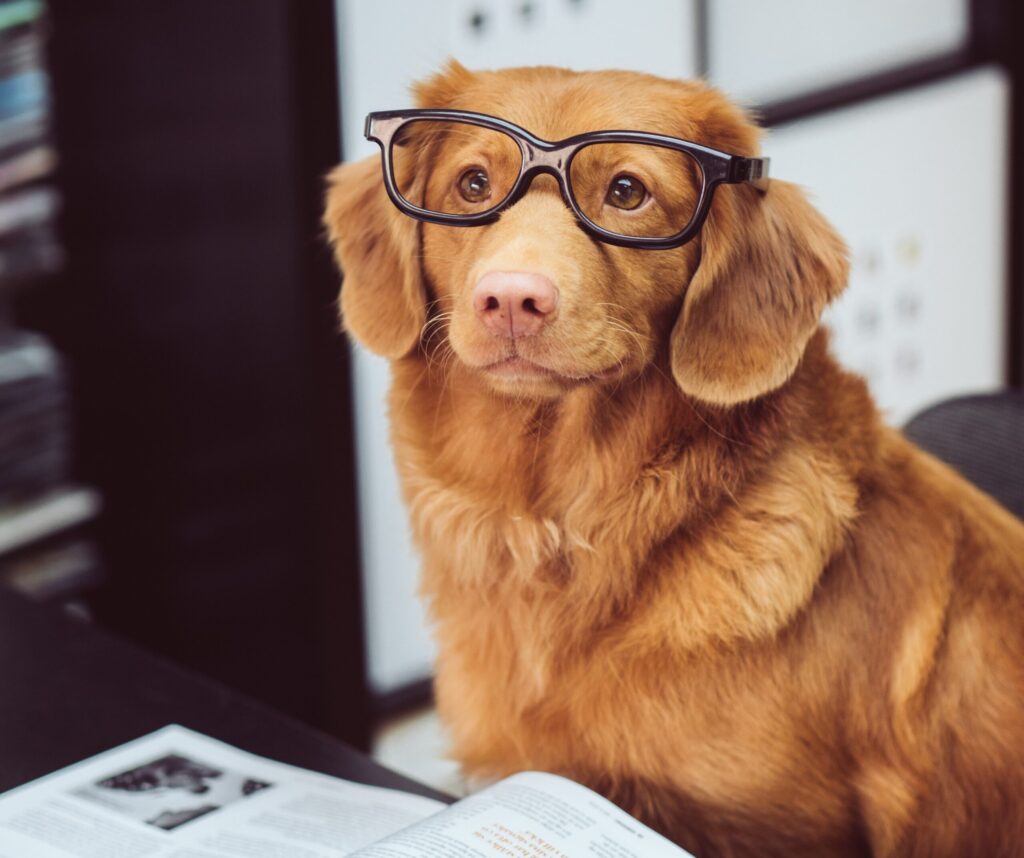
(983,438)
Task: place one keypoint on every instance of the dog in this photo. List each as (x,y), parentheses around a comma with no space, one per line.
(669,547)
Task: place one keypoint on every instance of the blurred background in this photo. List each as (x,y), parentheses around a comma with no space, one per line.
(190,453)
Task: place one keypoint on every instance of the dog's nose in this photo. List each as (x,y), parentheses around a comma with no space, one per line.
(514,303)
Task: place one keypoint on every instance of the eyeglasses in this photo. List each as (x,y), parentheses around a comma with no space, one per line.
(628,188)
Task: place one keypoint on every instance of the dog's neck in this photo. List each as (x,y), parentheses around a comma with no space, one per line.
(589,492)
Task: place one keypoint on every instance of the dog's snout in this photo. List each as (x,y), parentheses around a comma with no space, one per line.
(514,304)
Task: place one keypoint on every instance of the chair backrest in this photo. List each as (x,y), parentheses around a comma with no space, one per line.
(983,438)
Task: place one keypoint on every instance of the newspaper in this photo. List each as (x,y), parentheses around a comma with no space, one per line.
(178,794)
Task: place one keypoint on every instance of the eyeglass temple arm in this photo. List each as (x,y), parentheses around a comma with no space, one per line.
(752,170)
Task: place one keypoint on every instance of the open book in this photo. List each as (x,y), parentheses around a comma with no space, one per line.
(178,794)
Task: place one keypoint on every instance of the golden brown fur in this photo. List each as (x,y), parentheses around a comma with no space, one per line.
(714,585)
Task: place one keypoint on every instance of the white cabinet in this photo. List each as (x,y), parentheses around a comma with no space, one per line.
(914,181)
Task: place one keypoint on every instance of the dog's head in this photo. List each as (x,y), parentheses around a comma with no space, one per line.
(537,306)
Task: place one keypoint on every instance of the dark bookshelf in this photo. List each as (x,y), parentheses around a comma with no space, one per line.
(196,311)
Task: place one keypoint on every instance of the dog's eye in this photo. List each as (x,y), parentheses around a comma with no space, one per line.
(625,192)
(474,185)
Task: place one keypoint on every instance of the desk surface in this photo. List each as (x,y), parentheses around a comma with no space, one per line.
(69,690)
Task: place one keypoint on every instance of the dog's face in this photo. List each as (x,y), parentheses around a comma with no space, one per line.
(565,309)
(535,305)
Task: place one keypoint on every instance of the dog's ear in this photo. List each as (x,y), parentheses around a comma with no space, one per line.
(383,303)
(769,264)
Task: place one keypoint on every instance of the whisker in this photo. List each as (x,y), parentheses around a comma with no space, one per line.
(433,326)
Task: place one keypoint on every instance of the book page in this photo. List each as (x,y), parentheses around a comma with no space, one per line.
(529,815)
(178,794)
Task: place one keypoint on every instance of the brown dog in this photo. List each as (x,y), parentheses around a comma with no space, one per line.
(669,547)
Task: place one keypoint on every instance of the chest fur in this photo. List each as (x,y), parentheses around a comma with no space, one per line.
(575,578)
(564,615)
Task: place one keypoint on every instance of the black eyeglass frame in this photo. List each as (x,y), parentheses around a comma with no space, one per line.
(555,159)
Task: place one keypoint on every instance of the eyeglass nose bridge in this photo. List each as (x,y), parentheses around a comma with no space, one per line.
(551,161)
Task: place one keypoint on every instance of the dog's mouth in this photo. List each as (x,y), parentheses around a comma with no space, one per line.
(515,367)
(518,367)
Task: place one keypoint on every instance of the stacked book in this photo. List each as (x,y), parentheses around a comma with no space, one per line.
(34,438)
(43,549)
(28,203)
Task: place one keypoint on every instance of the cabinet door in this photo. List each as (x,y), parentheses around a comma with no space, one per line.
(384,46)
(915,183)
(765,52)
